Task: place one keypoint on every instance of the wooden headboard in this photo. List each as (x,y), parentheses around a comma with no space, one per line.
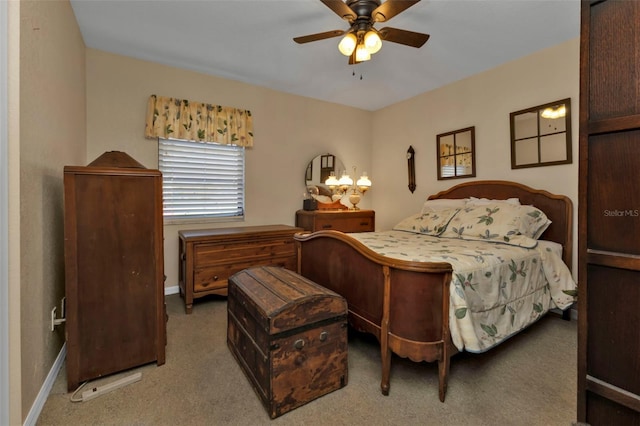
(558,208)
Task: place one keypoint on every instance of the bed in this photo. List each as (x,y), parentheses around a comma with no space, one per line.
(429,305)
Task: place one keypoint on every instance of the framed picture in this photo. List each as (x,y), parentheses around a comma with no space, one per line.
(456,154)
(541,135)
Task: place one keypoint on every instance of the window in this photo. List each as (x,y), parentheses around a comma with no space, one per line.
(201,179)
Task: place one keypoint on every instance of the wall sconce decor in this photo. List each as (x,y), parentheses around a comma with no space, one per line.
(456,154)
(411,168)
(346,184)
(541,136)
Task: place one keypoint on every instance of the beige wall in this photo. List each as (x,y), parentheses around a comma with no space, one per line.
(484,101)
(13,214)
(289,131)
(52,126)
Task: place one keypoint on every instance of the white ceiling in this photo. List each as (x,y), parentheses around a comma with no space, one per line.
(251,41)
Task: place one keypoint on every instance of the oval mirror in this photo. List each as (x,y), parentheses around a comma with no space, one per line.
(317,172)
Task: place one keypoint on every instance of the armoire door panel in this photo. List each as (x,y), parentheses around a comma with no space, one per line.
(613,193)
(126,268)
(612,24)
(613,349)
(603,411)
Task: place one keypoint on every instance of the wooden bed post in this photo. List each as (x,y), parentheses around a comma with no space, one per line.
(385,352)
(443,364)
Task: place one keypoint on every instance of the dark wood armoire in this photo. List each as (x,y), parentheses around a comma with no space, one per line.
(609,214)
(114,267)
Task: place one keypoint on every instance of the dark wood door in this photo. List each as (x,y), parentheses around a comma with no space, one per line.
(609,214)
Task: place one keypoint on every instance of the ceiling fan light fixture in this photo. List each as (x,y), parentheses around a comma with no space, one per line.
(372,41)
(362,53)
(348,44)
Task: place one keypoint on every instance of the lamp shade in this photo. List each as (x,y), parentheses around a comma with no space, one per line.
(332,180)
(345,180)
(372,41)
(362,54)
(364,181)
(347,44)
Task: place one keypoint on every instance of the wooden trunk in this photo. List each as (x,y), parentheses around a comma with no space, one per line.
(289,336)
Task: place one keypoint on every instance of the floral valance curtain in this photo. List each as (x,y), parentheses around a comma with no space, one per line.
(197,121)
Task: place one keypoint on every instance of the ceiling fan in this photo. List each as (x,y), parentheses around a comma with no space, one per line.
(362,40)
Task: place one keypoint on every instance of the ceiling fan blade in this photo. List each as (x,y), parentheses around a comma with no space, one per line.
(408,38)
(341,9)
(391,8)
(318,36)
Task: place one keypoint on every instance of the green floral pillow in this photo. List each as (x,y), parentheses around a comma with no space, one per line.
(500,222)
(429,223)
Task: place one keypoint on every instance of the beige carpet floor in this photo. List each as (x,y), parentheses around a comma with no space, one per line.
(528,380)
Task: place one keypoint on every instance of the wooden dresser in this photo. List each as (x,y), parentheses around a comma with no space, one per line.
(114,267)
(208,257)
(337,220)
(609,215)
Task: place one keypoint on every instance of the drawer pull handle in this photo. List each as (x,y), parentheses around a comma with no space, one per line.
(298,344)
(323,336)
(215,278)
(364,223)
(326,226)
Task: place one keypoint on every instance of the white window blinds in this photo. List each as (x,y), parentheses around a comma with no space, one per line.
(201,179)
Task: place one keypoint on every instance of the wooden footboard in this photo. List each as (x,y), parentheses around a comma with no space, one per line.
(404,304)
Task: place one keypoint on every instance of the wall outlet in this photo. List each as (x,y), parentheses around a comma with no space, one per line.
(55,321)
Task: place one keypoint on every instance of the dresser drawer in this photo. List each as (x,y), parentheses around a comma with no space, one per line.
(345,224)
(215,277)
(337,220)
(239,251)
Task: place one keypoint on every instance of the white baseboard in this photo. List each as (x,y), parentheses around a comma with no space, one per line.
(40,400)
(171,290)
(38,404)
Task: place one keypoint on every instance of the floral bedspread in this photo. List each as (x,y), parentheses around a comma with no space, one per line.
(496,290)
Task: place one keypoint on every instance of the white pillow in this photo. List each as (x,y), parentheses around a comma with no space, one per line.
(429,223)
(323,198)
(499,222)
(443,204)
(473,201)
